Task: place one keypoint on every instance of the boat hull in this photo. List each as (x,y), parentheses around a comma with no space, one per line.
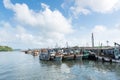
(58,58)
(68,57)
(44,57)
(78,57)
(105,59)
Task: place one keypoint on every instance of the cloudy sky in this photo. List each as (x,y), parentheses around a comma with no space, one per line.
(45,23)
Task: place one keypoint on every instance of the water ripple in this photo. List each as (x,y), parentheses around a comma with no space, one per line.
(20,66)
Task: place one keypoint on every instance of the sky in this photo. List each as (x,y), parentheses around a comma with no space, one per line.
(53,23)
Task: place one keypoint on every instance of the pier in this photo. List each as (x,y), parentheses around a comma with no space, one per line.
(105,54)
(101,53)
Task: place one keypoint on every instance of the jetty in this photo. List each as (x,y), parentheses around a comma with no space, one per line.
(104,54)
(97,53)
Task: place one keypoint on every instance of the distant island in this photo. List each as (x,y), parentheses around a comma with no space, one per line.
(5,48)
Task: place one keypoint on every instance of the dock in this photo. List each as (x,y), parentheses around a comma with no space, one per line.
(105,54)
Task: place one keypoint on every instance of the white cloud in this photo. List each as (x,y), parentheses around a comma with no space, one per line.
(14,35)
(103,6)
(77,10)
(99,29)
(49,26)
(104,33)
(117,26)
(46,19)
(86,7)
(8,4)
(19,37)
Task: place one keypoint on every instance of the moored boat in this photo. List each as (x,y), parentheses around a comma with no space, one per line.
(110,54)
(44,55)
(50,54)
(77,55)
(58,57)
(35,53)
(85,54)
(68,54)
(68,57)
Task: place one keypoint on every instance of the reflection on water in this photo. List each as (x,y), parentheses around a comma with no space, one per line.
(20,66)
(86,70)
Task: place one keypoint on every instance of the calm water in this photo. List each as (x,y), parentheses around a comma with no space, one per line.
(20,66)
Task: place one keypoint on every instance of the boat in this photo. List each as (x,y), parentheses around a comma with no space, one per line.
(92,56)
(35,53)
(68,54)
(106,59)
(110,54)
(77,55)
(51,55)
(68,57)
(85,54)
(44,55)
(58,57)
(29,51)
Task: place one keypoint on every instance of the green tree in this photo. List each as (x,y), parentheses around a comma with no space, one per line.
(5,48)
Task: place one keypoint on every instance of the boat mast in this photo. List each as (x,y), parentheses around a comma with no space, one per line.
(92,40)
(67,44)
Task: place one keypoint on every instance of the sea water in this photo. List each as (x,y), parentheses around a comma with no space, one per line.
(21,66)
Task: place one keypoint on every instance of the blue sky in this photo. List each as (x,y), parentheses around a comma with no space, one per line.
(43,23)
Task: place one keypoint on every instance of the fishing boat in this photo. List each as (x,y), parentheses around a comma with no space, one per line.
(58,57)
(35,53)
(77,54)
(111,54)
(68,54)
(85,54)
(92,56)
(29,51)
(50,54)
(68,57)
(44,55)
(56,54)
